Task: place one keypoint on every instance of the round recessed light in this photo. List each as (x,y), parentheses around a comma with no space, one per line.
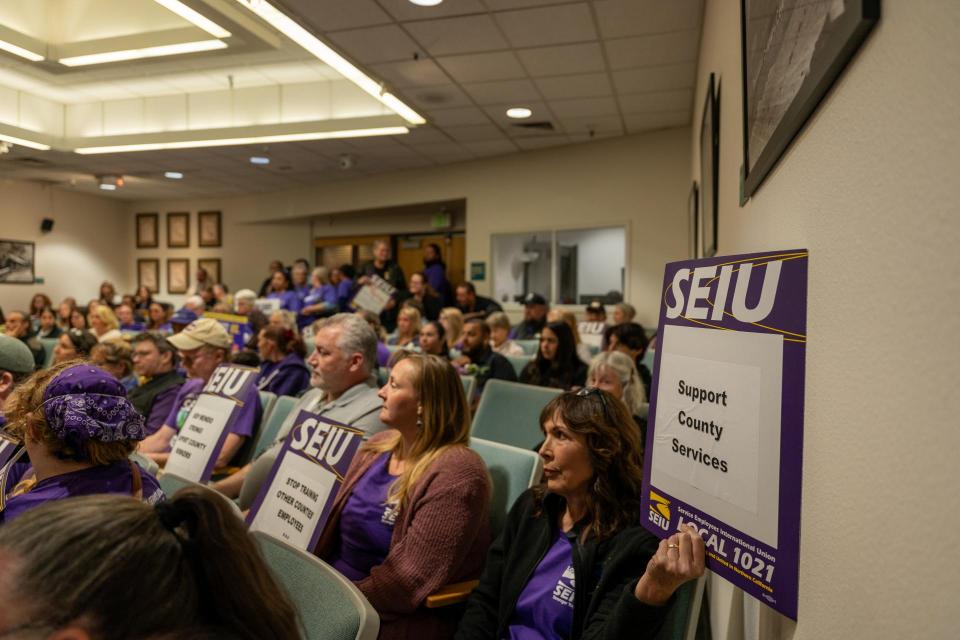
(426,3)
(173,175)
(259,160)
(519,113)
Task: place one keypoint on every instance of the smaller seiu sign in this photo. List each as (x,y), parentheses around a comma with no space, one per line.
(237,326)
(294,503)
(591,333)
(194,450)
(374,295)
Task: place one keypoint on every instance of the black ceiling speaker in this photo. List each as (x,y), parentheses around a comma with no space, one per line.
(46,225)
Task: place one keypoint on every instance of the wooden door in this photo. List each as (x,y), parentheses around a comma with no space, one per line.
(453,248)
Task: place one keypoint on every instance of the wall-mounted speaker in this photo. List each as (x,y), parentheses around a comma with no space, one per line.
(46,225)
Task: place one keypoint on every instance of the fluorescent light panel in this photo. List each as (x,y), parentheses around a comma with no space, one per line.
(287,26)
(147,52)
(9,47)
(226,142)
(195,18)
(24,143)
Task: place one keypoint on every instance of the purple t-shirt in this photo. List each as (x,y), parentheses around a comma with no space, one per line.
(288,377)
(383,354)
(111,478)
(544,609)
(242,424)
(288,300)
(163,403)
(366,524)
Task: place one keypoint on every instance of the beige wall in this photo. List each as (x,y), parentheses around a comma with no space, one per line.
(640,181)
(869,188)
(88,243)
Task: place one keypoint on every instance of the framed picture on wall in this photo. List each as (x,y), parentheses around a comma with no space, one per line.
(16,262)
(694,220)
(147,231)
(178,275)
(709,172)
(208,227)
(178,230)
(791,51)
(212,267)
(148,274)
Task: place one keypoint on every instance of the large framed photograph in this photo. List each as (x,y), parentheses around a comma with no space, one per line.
(148,274)
(212,267)
(178,275)
(16,262)
(147,231)
(792,52)
(694,220)
(709,169)
(178,230)
(208,227)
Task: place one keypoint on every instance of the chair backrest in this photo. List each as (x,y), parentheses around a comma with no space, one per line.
(330,606)
(267,398)
(145,463)
(529,346)
(469,386)
(270,426)
(171,483)
(684,611)
(48,345)
(383,374)
(509,413)
(649,357)
(519,362)
(512,471)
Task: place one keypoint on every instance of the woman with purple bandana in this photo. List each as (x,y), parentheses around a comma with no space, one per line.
(573,560)
(78,429)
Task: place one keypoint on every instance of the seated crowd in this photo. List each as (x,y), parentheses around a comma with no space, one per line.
(90,547)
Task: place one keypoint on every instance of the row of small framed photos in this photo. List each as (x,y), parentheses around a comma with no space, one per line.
(178,273)
(178,230)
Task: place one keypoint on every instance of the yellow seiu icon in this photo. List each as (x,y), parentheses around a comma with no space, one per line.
(659,504)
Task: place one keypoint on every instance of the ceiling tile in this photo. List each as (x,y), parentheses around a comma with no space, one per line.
(330,15)
(502,91)
(466,34)
(644,79)
(411,73)
(587,85)
(553,140)
(558,61)
(490,147)
(621,18)
(422,135)
(406,10)
(598,125)
(638,122)
(548,25)
(502,5)
(482,67)
(584,107)
(657,101)
(439,96)
(646,51)
(377,44)
(475,133)
(456,117)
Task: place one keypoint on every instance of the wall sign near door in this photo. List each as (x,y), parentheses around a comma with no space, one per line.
(725,438)
(478,271)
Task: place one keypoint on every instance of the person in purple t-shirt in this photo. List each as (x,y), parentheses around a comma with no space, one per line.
(282,369)
(79,430)
(575,543)
(280,290)
(204,345)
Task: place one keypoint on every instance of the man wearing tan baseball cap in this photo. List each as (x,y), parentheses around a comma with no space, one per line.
(204,345)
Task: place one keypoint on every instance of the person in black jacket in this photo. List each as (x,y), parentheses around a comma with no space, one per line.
(557,363)
(573,561)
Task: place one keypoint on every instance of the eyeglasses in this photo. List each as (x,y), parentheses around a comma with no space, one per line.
(586,392)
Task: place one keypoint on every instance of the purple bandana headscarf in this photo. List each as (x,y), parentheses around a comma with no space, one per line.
(85,402)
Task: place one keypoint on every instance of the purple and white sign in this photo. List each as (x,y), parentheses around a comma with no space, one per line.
(194,450)
(725,437)
(294,503)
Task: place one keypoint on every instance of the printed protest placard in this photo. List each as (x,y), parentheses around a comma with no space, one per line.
(267,305)
(591,333)
(8,447)
(294,503)
(374,295)
(725,436)
(237,326)
(194,450)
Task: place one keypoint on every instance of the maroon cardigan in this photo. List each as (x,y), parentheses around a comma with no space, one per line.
(439,538)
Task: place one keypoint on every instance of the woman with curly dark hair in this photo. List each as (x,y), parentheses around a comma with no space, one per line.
(573,560)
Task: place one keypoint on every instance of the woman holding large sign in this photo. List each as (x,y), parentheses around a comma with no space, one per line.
(573,560)
(413,512)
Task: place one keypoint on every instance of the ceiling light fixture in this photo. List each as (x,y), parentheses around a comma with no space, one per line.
(9,47)
(290,28)
(147,52)
(519,113)
(259,160)
(24,143)
(426,3)
(173,175)
(195,18)
(226,142)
